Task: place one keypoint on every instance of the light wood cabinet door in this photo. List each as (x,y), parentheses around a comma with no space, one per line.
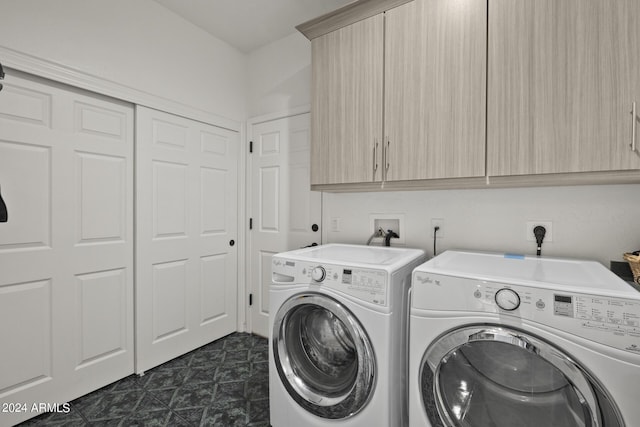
(562,79)
(346,124)
(435,89)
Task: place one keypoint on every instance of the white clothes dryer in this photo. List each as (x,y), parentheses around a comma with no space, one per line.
(338,342)
(503,341)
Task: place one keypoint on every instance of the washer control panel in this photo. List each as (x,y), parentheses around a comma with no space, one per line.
(607,320)
(368,285)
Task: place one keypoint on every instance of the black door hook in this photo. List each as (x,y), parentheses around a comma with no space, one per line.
(3,210)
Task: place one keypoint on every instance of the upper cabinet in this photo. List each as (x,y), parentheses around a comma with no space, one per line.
(400,95)
(435,89)
(563,79)
(470,93)
(346,119)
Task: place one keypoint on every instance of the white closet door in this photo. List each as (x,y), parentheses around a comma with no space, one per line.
(186,254)
(66,251)
(283,209)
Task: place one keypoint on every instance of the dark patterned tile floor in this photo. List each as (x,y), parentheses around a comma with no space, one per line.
(225,383)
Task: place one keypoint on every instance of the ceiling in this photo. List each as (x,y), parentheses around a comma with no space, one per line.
(250,24)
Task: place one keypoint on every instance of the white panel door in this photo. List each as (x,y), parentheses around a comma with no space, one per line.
(187,207)
(66,251)
(282,207)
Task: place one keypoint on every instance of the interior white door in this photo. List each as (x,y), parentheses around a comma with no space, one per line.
(186,253)
(66,251)
(285,214)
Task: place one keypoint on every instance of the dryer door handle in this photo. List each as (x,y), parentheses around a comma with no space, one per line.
(508,338)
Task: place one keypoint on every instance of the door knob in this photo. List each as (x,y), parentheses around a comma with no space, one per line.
(314,227)
(232,242)
(3,210)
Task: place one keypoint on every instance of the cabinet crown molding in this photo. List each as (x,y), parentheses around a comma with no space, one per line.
(346,15)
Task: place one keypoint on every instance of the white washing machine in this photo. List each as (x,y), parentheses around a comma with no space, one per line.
(337,350)
(503,341)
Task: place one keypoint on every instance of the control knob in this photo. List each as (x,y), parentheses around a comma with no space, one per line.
(507,299)
(318,273)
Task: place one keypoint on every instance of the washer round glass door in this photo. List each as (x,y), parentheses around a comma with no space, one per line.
(323,355)
(502,377)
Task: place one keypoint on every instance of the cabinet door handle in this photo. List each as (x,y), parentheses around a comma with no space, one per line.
(386,158)
(375,157)
(633,126)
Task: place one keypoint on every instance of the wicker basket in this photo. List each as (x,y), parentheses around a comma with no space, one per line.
(634,263)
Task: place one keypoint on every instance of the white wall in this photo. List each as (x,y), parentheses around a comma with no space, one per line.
(279,76)
(138,43)
(594,222)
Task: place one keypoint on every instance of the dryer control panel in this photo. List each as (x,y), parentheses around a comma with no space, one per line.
(612,321)
(365,284)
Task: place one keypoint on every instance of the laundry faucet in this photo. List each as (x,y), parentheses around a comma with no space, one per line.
(388,236)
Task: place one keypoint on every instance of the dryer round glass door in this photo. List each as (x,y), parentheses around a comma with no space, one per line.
(323,355)
(503,377)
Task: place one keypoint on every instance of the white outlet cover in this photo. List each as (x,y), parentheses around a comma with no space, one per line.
(440,223)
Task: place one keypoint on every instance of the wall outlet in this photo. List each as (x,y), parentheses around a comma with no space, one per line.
(437,222)
(393,222)
(548,225)
(335,224)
